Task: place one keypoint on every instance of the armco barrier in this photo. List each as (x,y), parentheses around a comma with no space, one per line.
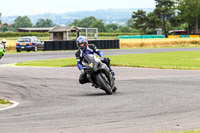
(173,36)
(184,36)
(194,36)
(71,44)
(141,36)
(157,36)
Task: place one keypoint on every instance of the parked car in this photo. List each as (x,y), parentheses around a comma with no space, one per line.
(29,43)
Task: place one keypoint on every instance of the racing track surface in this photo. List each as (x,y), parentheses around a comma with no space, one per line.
(51,99)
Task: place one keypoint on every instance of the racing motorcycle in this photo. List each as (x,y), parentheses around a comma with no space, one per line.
(1,50)
(99,74)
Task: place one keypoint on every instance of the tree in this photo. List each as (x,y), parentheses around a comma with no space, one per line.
(140,20)
(86,22)
(5,28)
(44,23)
(153,21)
(0,18)
(177,22)
(189,11)
(125,29)
(165,11)
(22,22)
(130,23)
(75,23)
(90,22)
(111,27)
(98,24)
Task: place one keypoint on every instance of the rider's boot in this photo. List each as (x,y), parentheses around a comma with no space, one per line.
(112,72)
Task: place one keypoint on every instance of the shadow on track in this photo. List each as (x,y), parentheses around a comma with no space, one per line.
(101,94)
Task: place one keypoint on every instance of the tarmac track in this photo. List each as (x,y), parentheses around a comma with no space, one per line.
(51,99)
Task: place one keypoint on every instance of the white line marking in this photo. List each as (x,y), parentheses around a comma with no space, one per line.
(14,104)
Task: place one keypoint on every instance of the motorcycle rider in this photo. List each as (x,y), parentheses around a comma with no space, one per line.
(85,48)
(3,41)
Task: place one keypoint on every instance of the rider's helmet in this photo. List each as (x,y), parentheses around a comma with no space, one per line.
(3,40)
(82,42)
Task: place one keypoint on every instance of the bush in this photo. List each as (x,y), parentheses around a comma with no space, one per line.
(116,34)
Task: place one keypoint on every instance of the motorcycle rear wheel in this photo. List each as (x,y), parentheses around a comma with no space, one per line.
(104,83)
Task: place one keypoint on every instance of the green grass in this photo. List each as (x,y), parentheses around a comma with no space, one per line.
(167,60)
(189,60)
(50,63)
(2,101)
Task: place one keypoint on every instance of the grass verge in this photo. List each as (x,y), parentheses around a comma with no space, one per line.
(189,60)
(2,101)
(50,63)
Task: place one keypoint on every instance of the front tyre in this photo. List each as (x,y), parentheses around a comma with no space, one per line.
(18,50)
(114,90)
(104,83)
(36,49)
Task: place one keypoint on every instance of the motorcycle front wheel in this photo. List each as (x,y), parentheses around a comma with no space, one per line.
(104,83)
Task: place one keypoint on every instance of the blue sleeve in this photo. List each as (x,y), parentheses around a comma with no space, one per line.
(100,53)
(80,67)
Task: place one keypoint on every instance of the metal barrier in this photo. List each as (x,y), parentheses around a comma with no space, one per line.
(141,36)
(71,44)
(157,36)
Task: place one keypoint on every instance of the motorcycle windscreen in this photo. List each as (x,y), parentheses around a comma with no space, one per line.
(88,59)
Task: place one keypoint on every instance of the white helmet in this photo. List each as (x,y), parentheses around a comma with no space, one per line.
(3,41)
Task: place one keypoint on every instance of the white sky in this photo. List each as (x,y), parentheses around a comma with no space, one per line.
(32,7)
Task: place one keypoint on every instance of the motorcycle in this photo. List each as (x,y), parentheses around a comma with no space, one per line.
(1,50)
(99,74)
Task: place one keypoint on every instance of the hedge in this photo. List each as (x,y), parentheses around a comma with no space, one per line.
(19,34)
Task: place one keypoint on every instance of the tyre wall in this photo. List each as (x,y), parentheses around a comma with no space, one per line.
(71,44)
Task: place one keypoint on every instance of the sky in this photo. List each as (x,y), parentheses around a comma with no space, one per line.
(33,7)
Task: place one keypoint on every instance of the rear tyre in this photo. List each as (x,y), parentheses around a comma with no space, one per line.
(104,83)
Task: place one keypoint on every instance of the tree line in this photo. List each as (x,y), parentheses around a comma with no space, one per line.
(92,22)
(25,22)
(88,22)
(168,15)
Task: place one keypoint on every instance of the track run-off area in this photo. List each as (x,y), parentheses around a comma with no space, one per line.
(52,100)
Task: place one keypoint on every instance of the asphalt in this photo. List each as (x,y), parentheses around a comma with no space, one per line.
(51,99)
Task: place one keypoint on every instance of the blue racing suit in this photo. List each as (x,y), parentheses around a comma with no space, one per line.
(91,49)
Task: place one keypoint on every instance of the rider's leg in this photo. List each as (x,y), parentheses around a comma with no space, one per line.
(83,78)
